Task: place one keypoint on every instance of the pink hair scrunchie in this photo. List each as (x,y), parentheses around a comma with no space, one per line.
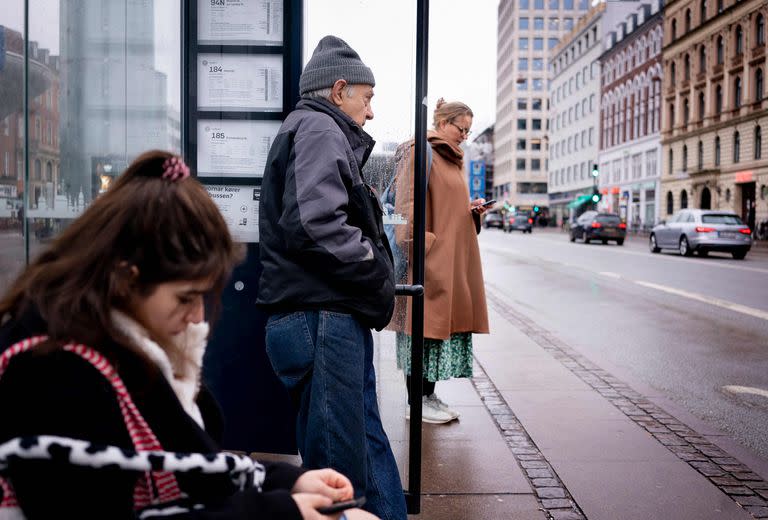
(174,169)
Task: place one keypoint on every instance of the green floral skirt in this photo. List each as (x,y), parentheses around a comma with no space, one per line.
(443,359)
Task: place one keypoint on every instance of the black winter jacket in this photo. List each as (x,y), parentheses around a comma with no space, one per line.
(59,393)
(322,241)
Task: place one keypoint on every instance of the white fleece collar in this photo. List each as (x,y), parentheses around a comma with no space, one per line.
(184,379)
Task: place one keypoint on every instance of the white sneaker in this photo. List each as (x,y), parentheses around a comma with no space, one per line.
(430,413)
(440,405)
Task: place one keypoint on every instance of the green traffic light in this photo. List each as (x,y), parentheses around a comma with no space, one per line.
(595,198)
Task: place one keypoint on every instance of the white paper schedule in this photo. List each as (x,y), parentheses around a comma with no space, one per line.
(240,207)
(240,22)
(239,82)
(234,148)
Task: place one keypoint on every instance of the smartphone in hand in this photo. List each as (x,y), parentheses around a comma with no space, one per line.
(488,203)
(337,507)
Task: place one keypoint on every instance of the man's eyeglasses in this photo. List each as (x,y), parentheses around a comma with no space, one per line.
(465,131)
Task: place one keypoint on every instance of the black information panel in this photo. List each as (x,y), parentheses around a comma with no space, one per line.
(242,61)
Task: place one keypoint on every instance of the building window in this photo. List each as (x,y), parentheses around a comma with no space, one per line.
(538,64)
(671,160)
(536,104)
(720,50)
(522,124)
(538,84)
(535,144)
(736,146)
(702,59)
(672,74)
(671,116)
(521,144)
(701,156)
(670,203)
(538,5)
(568,4)
(758,85)
(739,40)
(719,6)
(554,24)
(554,5)
(522,103)
(674,29)
(538,23)
(38,170)
(523,23)
(685,158)
(701,106)
(683,199)
(536,165)
(48,172)
(524,4)
(552,43)
(522,64)
(538,44)
(703,11)
(520,164)
(717,150)
(688,20)
(687,68)
(522,44)
(758,143)
(718,100)
(536,124)
(686,112)
(737,92)
(760,30)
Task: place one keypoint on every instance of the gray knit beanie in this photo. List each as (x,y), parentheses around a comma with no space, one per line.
(333,60)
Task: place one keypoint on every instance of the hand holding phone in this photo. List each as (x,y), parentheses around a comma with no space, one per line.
(337,507)
(488,203)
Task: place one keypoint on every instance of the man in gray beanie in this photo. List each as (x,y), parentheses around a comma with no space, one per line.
(328,276)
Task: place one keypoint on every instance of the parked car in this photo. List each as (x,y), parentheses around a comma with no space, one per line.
(523,223)
(592,225)
(493,220)
(702,231)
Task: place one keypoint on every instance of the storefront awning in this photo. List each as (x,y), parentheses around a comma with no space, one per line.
(578,201)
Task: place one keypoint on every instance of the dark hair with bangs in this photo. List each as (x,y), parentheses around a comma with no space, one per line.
(168,230)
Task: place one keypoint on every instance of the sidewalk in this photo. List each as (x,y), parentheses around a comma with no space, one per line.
(544,434)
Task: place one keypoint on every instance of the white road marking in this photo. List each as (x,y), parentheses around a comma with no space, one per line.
(735,389)
(622,251)
(735,307)
(757,313)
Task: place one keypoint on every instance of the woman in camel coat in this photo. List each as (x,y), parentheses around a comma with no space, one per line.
(454,299)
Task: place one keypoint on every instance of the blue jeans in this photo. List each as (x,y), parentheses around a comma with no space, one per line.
(325,360)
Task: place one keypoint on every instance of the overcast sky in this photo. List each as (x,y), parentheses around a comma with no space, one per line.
(462,50)
(462,55)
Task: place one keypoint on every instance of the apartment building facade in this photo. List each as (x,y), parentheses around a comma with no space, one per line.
(630,117)
(527,31)
(715,113)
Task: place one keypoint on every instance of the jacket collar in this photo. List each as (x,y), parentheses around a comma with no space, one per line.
(448,150)
(360,142)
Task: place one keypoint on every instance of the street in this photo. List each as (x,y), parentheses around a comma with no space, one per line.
(694,329)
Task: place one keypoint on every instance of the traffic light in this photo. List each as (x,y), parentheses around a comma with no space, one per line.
(535,209)
(595,171)
(596,195)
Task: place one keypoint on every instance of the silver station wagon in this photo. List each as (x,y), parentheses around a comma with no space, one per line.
(702,231)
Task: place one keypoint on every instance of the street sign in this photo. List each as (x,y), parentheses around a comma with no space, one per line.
(476,179)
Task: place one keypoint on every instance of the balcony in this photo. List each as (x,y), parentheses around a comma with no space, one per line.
(717,70)
(701,78)
(737,61)
(757,52)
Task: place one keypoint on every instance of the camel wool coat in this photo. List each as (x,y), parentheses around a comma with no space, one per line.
(454,294)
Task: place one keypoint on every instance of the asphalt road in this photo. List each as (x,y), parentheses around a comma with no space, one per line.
(693,329)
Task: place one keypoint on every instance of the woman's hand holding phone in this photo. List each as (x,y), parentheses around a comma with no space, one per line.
(480,206)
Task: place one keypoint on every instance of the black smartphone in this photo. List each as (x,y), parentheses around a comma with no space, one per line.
(488,203)
(337,507)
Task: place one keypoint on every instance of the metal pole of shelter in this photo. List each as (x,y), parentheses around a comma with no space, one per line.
(416,291)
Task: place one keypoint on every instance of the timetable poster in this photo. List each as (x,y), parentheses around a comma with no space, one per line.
(234,148)
(239,82)
(240,22)
(239,205)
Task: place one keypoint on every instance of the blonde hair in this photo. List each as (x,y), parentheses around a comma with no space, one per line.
(448,112)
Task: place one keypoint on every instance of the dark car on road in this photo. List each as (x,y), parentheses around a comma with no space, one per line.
(493,220)
(702,231)
(522,223)
(592,225)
